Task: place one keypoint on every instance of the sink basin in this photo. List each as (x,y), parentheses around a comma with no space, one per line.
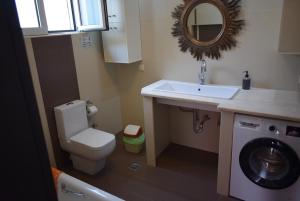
(211,91)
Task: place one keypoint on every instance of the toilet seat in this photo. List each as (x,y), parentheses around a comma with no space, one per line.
(92,139)
(91,144)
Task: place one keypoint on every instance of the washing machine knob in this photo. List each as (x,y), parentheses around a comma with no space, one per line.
(272,128)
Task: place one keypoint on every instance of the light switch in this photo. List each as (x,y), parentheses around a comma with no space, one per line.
(142,67)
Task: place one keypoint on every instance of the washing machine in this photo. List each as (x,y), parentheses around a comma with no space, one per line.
(265,159)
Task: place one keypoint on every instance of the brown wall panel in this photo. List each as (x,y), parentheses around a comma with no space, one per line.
(57,74)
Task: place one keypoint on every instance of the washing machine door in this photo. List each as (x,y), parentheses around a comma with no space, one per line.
(270,163)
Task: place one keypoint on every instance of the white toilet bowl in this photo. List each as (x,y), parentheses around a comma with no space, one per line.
(88,147)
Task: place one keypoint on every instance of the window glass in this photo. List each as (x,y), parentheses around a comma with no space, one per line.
(91,13)
(59,15)
(28,15)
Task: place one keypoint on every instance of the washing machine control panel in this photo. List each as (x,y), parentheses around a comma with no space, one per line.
(270,127)
(292,131)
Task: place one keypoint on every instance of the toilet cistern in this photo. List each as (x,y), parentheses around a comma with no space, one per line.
(202,74)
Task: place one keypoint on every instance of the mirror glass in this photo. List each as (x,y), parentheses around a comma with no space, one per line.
(205,22)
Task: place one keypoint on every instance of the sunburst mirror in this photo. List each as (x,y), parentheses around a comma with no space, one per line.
(205,28)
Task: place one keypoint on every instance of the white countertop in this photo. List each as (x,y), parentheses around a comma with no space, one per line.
(260,102)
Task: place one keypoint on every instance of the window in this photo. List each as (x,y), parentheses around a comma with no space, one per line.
(59,15)
(92,14)
(42,16)
(32,17)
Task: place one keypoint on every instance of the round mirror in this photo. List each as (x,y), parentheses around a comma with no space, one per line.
(205,22)
(205,28)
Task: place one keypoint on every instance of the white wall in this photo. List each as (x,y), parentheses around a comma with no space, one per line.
(181,130)
(256,52)
(97,83)
(299,79)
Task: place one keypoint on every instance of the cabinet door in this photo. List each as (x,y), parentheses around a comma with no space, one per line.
(115,44)
(115,9)
(290,28)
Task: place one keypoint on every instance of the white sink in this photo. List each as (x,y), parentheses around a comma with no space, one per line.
(211,91)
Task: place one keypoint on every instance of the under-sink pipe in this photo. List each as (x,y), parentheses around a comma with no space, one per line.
(198,123)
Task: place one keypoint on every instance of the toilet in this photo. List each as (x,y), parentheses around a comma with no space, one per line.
(88,147)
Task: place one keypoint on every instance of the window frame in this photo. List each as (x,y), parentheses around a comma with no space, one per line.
(66,30)
(76,15)
(41,16)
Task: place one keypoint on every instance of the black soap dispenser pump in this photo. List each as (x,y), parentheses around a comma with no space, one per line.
(246,81)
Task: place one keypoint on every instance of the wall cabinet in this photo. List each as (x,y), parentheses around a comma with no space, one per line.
(122,43)
(290,28)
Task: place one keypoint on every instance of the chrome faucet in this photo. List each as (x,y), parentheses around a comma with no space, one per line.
(202,74)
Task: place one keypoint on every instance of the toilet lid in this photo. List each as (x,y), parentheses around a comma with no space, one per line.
(93,139)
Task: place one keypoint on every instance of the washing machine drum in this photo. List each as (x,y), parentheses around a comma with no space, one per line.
(270,163)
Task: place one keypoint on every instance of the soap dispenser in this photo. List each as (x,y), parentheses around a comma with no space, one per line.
(246,81)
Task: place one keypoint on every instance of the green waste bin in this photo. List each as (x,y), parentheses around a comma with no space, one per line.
(134,145)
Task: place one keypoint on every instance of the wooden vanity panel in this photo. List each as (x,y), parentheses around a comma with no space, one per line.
(161,127)
(225,149)
(156,129)
(149,130)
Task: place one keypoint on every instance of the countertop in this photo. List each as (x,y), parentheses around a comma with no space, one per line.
(270,103)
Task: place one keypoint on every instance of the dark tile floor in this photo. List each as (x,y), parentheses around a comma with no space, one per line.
(183,174)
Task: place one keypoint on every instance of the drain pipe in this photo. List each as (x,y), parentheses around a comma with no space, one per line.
(198,123)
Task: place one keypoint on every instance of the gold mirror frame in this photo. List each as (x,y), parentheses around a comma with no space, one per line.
(230,10)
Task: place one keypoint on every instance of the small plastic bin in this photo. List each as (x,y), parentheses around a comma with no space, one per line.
(134,145)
